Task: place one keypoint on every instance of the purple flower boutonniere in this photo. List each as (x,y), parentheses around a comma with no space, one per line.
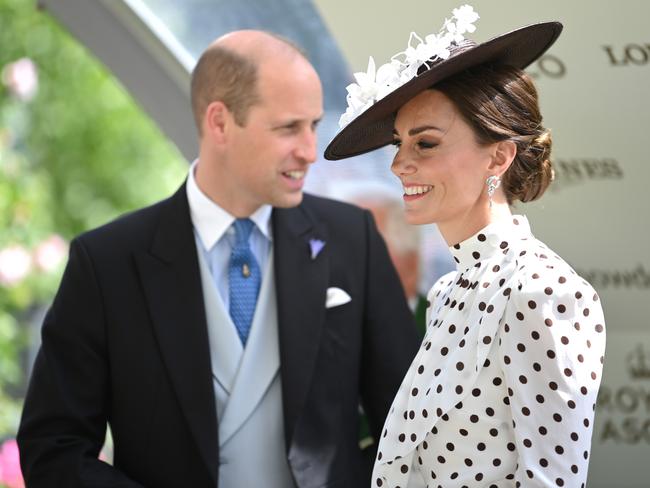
(316,246)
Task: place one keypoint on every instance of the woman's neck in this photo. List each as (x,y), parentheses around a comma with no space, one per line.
(464,227)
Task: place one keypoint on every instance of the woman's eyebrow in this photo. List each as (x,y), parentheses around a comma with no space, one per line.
(417,130)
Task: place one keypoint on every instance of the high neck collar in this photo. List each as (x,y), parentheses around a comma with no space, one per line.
(494,238)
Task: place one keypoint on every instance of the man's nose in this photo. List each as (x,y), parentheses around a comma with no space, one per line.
(308,146)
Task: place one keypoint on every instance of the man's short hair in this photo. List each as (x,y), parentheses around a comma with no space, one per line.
(222,74)
(225,75)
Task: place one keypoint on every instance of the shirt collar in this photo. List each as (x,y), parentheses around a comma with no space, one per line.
(496,237)
(211,221)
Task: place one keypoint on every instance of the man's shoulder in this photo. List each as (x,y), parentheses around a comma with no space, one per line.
(132,229)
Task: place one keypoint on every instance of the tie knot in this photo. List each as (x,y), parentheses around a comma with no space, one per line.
(243,229)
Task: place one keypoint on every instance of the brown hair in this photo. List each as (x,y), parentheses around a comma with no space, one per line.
(500,103)
(222,74)
(226,75)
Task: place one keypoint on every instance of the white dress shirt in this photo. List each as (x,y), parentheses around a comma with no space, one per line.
(215,234)
(503,389)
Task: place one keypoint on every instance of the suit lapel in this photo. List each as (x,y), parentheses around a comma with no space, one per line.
(226,349)
(171,282)
(301,287)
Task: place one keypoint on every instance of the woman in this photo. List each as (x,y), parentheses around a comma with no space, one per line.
(502,391)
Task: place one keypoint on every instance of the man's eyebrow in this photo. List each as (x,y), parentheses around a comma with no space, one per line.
(293,122)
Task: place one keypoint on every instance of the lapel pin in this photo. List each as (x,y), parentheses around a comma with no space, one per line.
(316,246)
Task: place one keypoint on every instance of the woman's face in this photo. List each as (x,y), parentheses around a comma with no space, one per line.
(440,163)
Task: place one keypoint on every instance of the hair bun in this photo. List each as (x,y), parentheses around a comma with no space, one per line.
(536,160)
(543,139)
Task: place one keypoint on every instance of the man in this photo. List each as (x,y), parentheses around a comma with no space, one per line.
(152,329)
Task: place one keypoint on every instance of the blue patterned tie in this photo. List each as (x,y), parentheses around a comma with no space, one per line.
(244,279)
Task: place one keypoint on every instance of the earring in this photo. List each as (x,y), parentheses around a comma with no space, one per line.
(492,183)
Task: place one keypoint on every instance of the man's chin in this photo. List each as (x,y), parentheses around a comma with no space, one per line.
(288,201)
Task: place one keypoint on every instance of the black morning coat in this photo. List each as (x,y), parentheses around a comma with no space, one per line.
(125,342)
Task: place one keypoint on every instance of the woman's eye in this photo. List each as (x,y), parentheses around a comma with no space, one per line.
(426,145)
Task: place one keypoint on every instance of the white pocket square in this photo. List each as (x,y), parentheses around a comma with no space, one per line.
(336,297)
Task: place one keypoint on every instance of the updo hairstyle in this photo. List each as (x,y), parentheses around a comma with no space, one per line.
(500,103)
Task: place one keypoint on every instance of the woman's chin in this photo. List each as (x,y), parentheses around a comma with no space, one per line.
(414,217)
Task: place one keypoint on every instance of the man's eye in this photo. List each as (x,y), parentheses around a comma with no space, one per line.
(397,143)
(292,127)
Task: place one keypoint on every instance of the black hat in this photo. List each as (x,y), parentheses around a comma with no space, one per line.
(373,128)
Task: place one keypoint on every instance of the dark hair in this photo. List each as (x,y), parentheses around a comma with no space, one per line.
(500,103)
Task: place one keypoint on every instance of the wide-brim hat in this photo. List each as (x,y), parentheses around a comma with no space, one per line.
(374,127)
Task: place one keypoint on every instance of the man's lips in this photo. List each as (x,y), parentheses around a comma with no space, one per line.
(295,174)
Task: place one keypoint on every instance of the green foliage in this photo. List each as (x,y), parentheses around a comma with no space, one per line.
(77,154)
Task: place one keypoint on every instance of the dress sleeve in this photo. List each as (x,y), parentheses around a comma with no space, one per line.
(551,346)
(404,472)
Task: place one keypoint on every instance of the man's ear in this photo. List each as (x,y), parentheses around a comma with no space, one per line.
(216,120)
(502,157)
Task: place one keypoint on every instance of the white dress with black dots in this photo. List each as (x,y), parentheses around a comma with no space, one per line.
(503,389)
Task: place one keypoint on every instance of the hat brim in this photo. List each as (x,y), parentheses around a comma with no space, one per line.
(374,127)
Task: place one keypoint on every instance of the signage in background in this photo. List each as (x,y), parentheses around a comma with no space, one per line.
(622,430)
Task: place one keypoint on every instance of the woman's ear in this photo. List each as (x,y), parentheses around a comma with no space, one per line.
(502,157)
(216,120)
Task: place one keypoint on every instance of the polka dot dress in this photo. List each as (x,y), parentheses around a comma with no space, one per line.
(503,389)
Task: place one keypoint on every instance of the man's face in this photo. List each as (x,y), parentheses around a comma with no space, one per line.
(268,158)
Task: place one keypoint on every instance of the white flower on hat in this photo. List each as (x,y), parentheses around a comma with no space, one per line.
(360,94)
(388,76)
(365,89)
(375,84)
(371,86)
(465,17)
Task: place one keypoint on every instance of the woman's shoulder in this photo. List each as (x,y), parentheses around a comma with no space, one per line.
(537,266)
(544,280)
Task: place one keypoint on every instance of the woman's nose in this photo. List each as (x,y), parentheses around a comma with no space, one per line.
(401,166)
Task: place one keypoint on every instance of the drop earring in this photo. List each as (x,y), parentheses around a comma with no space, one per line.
(492,183)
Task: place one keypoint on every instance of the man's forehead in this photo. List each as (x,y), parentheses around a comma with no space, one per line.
(287,80)
(284,67)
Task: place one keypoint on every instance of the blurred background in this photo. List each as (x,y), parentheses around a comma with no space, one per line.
(95,122)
